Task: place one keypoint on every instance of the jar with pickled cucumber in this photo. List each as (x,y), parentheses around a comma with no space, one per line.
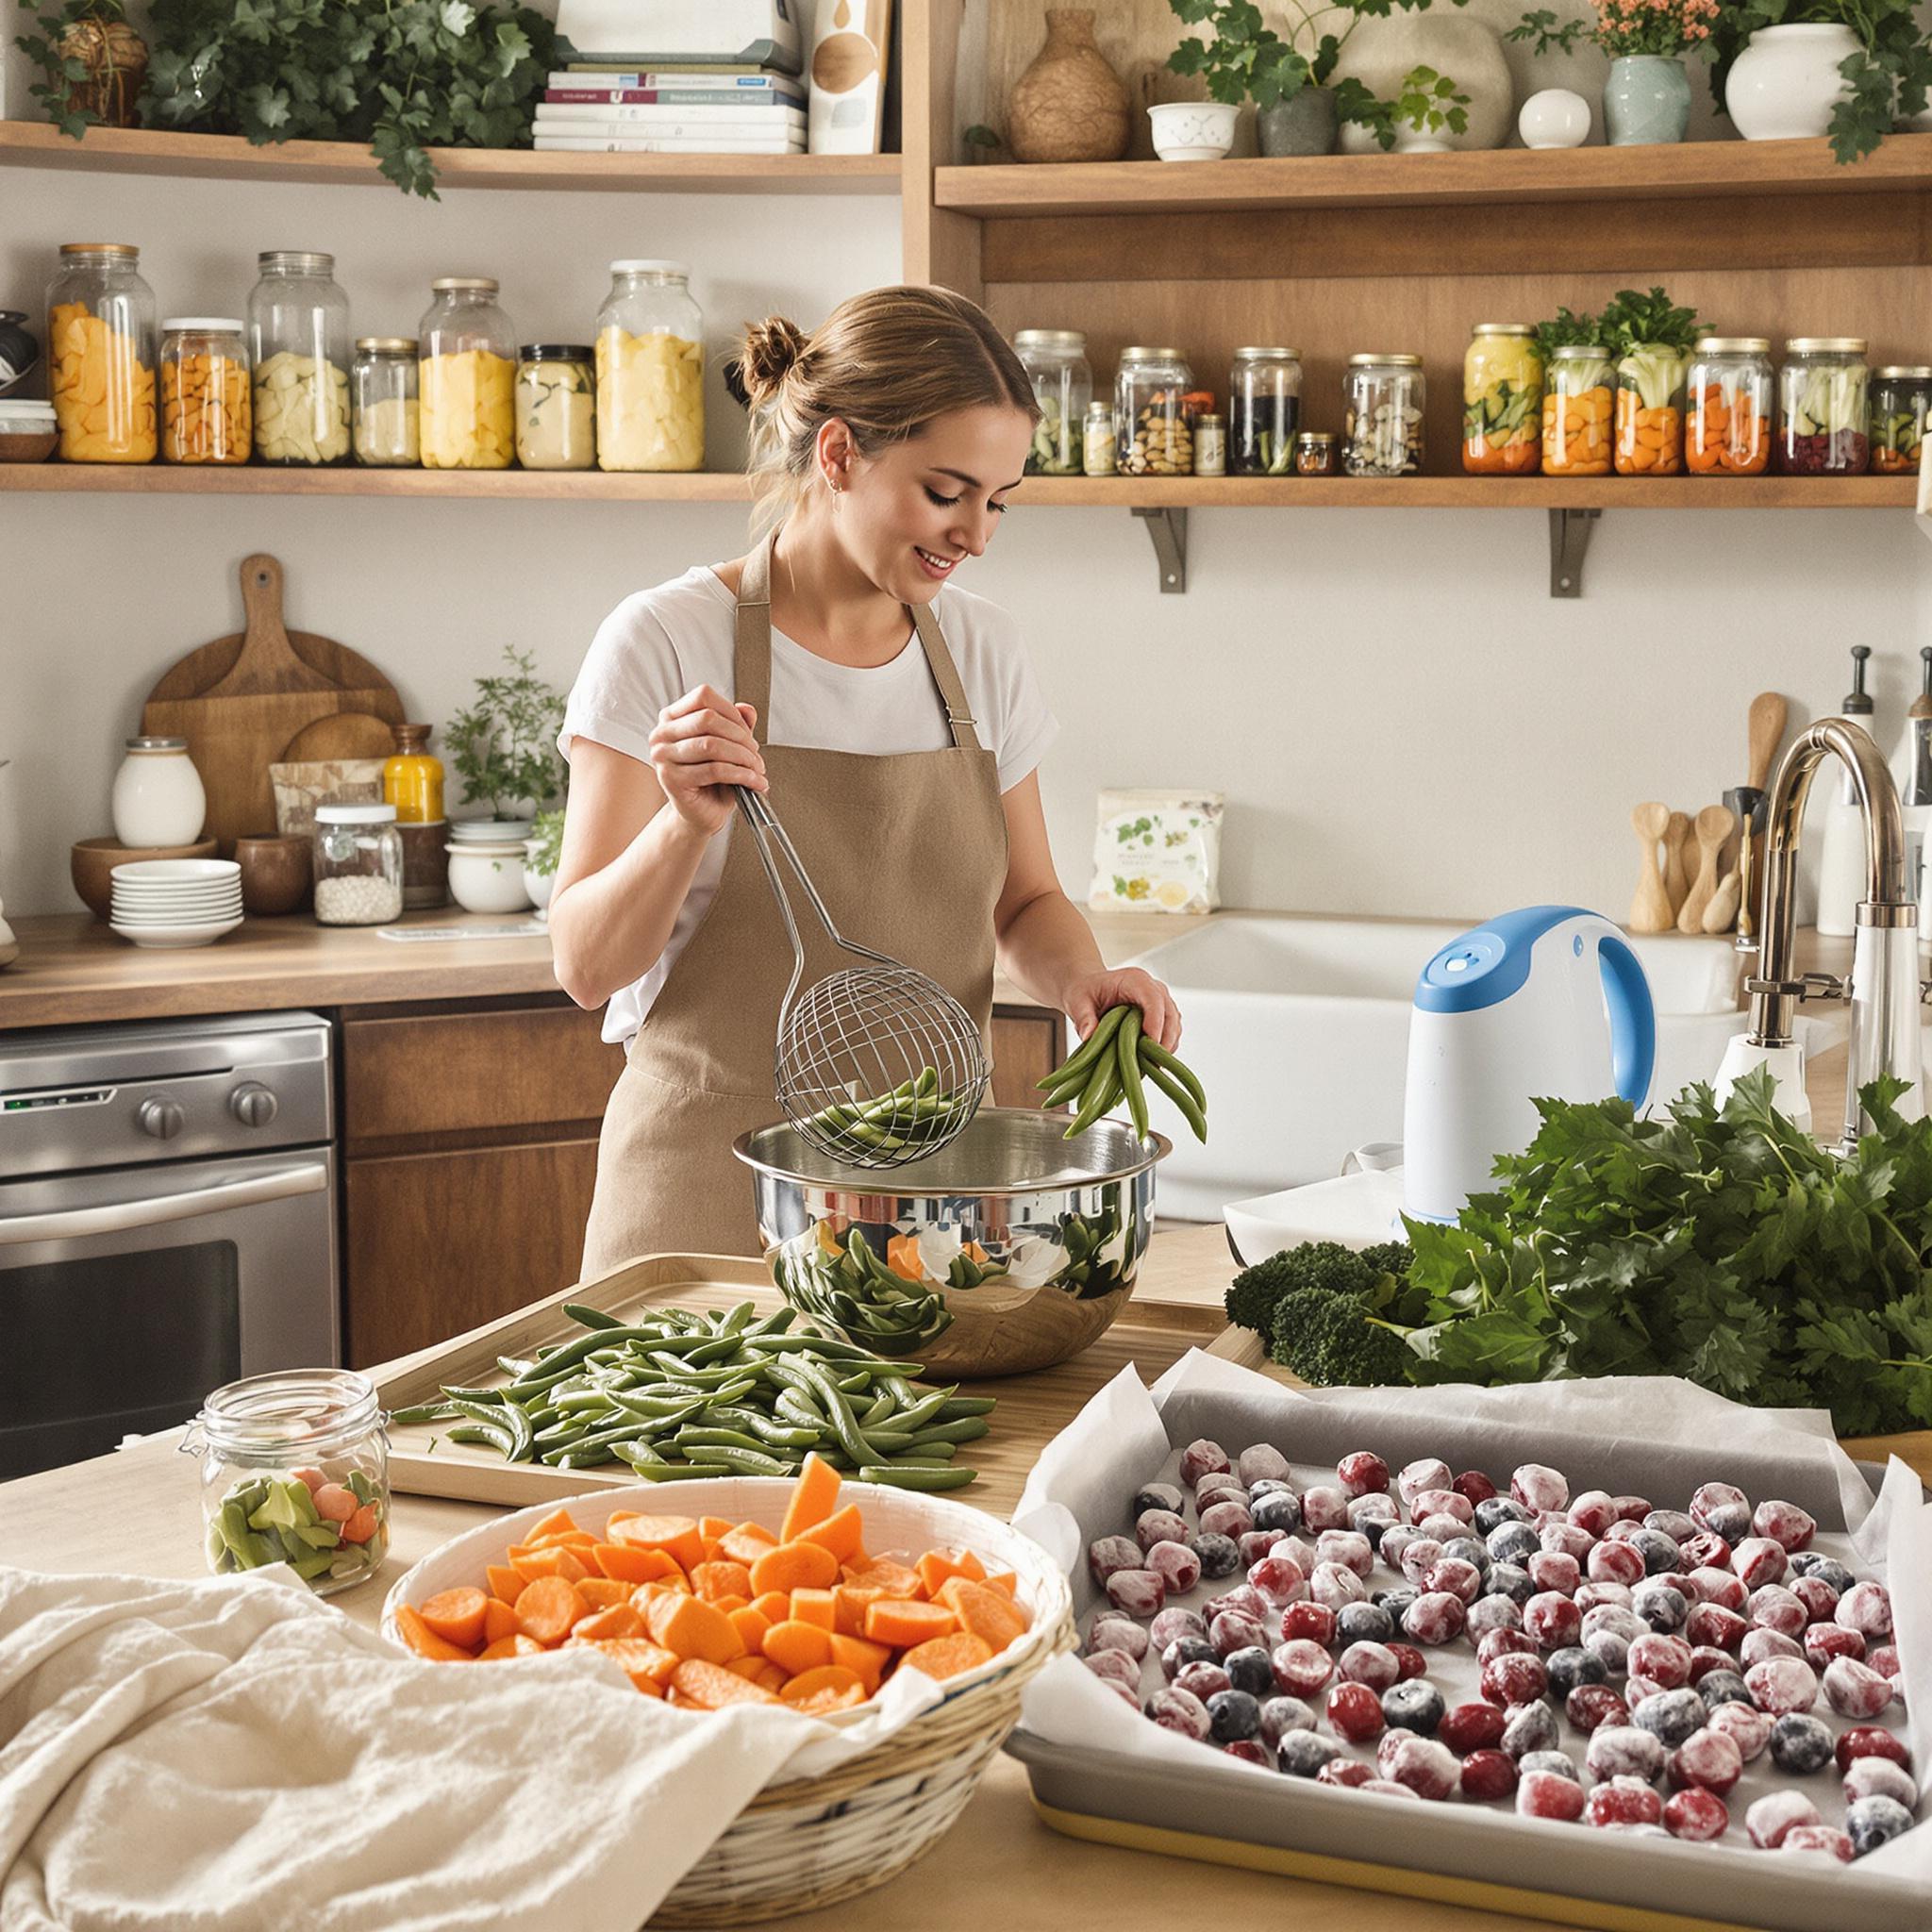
(1154,432)
(1097,454)
(1824,414)
(1056,360)
(1729,407)
(1383,399)
(466,368)
(1579,401)
(298,341)
(650,369)
(1900,397)
(556,427)
(382,395)
(101,355)
(1501,401)
(1264,408)
(205,409)
(1650,412)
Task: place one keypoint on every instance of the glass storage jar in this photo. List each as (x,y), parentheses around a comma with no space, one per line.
(556,427)
(1900,397)
(205,407)
(1097,453)
(359,865)
(1579,401)
(298,341)
(1649,439)
(1265,410)
(412,776)
(1315,453)
(1384,397)
(1056,360)
(1501,401)
(1824,423)
(1152,433)
(295,1468)
(382,391)
(1211,443)
(1727,407)
(101,353)
(650,369)
(466,368)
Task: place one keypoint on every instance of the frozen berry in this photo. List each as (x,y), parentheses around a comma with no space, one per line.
(1723,1687)
(1249,1750)
(1536,1486)
(1528,1727)
(1427,1473)
(1592,1596)
(1492,1512)
(1782,1684)
(1334,1584)
(1487,1774)
(1760,1646)
(1461,1580)
(1572,1666)
(1666,1660)
(1707,1551)
(1184,1651)
(1879,1777)
(1784,1523)
(1773,1607)
(1514,1678)
(1277,1509)
(1435,1617)
(1140,1592)
(1513,1543)
(1884,1659)
(1865,1608)
(1632,1508)
(1413,1663)
(1552,1570)
(1413,1705)
(1363,1623)
(1372,1513)
(1218,1483)
(1302,1753)
(1819,1599)
(1474,1726)
(1112,1553)
(1250,1670)
(1301,1667)
(1708,1759)
(1443,1502)
(1174,1709)
(1759,1560)
(1430,1770)
(1244,1600)
(1233,1714)
(1593,1511)
(1354,1712)
(1745,1725)
(1116,1664)
(1493,1613)
(1109,1630)
(1395,1543)
(1177,1622)
(1157,1496)
(1800,1744)
(1495,1643)
(1281,1715)
(1262,1460)
(1772,1816)
(1624,1801)
(1673,1524)
(1623,1751)
(1372,1664)
(1220,1556)
(1227,1518)
(1203,1459)
(1820,1838)
(1874,1822)
(1231,1631)
(1203,1680)
(1559,1761)
(1177,1566)
(1712,1626)
(1640,1690)
(1159,1527)
(1553,1621)
(1590,1705)
(1661,1556)
(1313,1621)
(1418,1557)
(1872,1740)
(1828,1568)
(1561,1538)
(1278,1581)
(1548,1794)
(1671,1716)
(1855,1689)
(1346,1773)
(1348,1547)
(1362,1474)
(1473,1484)
(1715,1496)
(1696,1814)
(1324,1509)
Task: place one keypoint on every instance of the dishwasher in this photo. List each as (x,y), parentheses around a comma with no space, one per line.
(167,1223)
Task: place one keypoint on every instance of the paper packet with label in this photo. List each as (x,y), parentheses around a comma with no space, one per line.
(1158,852)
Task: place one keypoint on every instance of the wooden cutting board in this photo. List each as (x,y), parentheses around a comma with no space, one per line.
(240,700)
(347,735)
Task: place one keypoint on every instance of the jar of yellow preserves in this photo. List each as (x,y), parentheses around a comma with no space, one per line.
(412,776)
(1502,400)
(101,355)
(466,377)
(650,369)
(205,411)
(1579,396)
(298,329)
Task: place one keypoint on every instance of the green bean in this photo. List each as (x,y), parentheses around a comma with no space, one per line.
(424,1412)
(957,1405)
(749,1461)
(917,1415)
(586,1316)
(1183,1100)
(1173,1065)
(1127,1051)
(968,1429)
(489,1434)
(1093,1047)
(915,1476)
(582,1455)
(509,1418)
(1101,1091)
(680,1472)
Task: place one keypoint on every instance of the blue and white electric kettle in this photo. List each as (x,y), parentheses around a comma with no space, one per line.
(1547,1003)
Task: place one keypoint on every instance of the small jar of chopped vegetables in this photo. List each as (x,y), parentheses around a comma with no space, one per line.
(1384,397)
(1502,400)
(1729,407)
(1823,418)
(1154,429)
(1056,360)
(1900,397)
(1264,407)
(1650,411)
(1578,395)
(294,1470)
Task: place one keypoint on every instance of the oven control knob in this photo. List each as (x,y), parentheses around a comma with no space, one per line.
(253,1104)
(160,1117)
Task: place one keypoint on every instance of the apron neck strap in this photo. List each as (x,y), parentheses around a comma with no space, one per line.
(752,653)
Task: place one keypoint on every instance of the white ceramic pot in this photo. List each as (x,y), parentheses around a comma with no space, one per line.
(1785,84)
(1553,118)
(1381,51)
(1192,130)
(1410,143)
(485,877)
(539,885)
(158,797)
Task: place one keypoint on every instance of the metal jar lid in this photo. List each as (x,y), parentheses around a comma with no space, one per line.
(556,352)
(1140,352)
(678,271)
(1576,351)
(1314,439)
(444,285)
(294,261)
(156,744)
(1905,372)
(1825,346)
(386,345)
(125,249)
(1255,353)
(201,324)
(1503,328)
(1733,346)
(1071,340)
(1213,416)
(1370,361)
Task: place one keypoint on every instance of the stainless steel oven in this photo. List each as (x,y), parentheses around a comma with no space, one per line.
(167,1223)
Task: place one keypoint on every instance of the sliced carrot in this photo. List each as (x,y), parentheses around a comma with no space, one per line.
(751,1627)
(815,1496)
(888,1578)
(749,1668)
(620,1620)
(815,1606)
(628,1565)
(504,1581)
(618,1516)
(866,1662)
(557,1522)
(362,1525)
(988,1613)
(795,1646)
(774,1606)
(709,1687)
(643,1662)
(745,1543)
(424,1641)
(457,1615)
(850,1602)
(842,1532)
(548,1608)
(558,1563)
(947,1657)
(713,1529)
(1005,1582)
(901,1624)
(677,1535)
(600,1592)
(937,1565)
(312,1478)
(771,1679)
(515,1645)
(712,1580)
(692,1629)
(808,1684)
(829,1700)
(499,1621)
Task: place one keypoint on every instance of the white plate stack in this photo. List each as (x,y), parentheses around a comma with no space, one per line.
(176,901)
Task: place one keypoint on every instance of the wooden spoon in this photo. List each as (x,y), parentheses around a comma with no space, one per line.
(1764,732)
(1715,823)
(1721,915)
(1677,860)
(1650,910)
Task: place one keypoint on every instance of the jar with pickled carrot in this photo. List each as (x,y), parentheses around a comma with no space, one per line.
(1729,407)
(1502,400)
(101,355)
(206,411)
(1580,396)
(1650,412)
(1901,399)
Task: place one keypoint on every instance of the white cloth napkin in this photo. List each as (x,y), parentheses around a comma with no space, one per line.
(233,1754)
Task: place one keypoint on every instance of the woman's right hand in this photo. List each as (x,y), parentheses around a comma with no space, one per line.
(702,746)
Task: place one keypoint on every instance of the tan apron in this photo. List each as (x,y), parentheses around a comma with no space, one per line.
(908,852)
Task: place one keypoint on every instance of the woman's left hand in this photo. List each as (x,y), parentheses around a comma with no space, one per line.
(1089,998)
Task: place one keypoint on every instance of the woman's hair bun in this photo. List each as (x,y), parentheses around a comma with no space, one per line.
(770,348)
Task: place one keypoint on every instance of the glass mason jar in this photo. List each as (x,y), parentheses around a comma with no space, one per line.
(1579,400)
(1650,412)
(1823,424)
(298,340)
(295,1468)
(1056,360)
(382,392)
(1315,453)
(1727,407)
(1501,401)
(1264,409)
(1211,443)
(359,865)
(556,427)
(650,369)
(206,409)
(1383,399)
(412,777)
(1097,453)
(101,355)
(1152,433)
(466,368)
(1900,397)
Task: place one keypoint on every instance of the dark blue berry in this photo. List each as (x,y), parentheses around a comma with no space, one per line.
(1184,1651)
(1157,1496)
(1234,1714)
(1572,1667)
(1278,1509)
(1249,1670)
(1671,1716)
(1875,1820)
(1801,1744)
(1826,1568)
(1723,1687)
(1469,1549)
(1513,1543)
(1413,1705)
(1660,1554)
(1493,1511)
(1662,1605)
(1302,1753)
(1362,1623)
(1220,1556)
(1511,1580)
(1394,1601)
(1731,1521)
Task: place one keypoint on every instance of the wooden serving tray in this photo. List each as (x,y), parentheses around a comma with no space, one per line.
(1032,1409)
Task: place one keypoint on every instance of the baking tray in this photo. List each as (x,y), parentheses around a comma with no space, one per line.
(1032,1409)
(1224,1813)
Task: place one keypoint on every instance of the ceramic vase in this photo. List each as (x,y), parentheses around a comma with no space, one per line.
(1303,124)
(1381,51)
(1070,104)
(1785,84)
(1646,100)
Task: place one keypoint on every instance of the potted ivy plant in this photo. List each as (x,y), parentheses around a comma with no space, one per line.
(504,746)
(91,61)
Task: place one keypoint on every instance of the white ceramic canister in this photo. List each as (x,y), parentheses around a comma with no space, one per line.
(158,797)
(486,875)
(1553,118)
(1786,83)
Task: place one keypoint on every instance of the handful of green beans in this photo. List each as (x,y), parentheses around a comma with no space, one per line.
(1110,1065)
(914,1114)
(680,1394)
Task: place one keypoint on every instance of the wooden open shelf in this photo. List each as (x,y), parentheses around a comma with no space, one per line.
(229,157)
(246,480)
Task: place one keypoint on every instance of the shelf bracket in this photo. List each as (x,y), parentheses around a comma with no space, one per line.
(1569,545)
(1169,530)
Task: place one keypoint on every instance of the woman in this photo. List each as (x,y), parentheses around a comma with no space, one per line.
(891,717)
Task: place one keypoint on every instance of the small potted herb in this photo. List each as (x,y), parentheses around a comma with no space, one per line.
(1652,338)
(982,144)
(504,746)
(92,64)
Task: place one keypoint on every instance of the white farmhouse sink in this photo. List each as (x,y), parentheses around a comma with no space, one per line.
(1299,1029)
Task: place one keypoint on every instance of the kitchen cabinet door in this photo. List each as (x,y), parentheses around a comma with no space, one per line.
(1025,1049)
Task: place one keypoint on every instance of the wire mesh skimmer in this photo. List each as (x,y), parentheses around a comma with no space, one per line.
(876,1065)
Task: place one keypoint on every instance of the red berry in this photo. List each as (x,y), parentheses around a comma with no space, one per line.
(1548,1794)
(1354,1712)
(1514,1679)
(1624,1801)
(1488,1775)
(1696,1814)
(1413,1663)
(1474,1485)
(1475,1727)
(1873,1740)
(1314,1623)
(1346,1772)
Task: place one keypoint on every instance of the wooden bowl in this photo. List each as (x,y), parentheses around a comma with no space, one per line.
(92,863)
(276,873)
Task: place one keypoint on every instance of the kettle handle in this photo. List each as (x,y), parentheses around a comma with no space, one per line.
(1633,1018)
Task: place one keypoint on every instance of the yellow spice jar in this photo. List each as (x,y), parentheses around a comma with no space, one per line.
(650,369)
(412,777)
(101,351)
(206,415)
(466,377)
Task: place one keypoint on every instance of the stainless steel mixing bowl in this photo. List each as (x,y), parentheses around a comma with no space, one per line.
(1010,1249)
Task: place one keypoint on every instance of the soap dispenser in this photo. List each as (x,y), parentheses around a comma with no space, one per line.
(1841,870)
(1903,756)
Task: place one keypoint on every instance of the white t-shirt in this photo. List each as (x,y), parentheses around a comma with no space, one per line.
(660,643)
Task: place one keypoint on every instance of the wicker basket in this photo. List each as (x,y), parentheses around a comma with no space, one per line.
(812,1841)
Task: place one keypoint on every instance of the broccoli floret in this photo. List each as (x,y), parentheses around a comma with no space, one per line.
(1328,1340)
(1389,1258)
(1327,1267)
